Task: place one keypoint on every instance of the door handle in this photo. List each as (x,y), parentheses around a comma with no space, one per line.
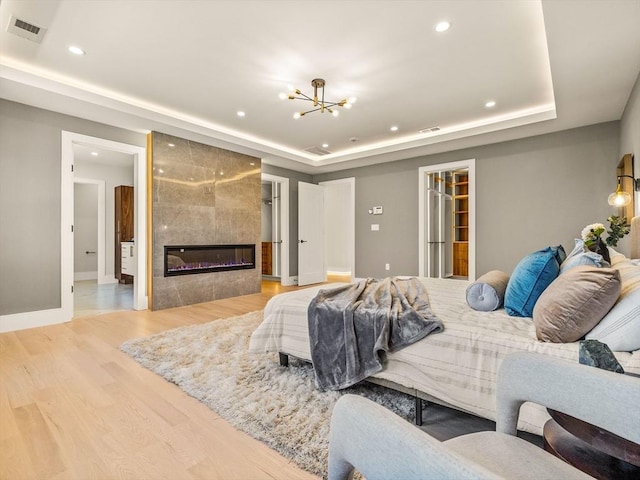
(280,241)
(303,241)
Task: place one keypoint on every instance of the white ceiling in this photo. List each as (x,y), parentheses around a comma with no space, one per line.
(186,67)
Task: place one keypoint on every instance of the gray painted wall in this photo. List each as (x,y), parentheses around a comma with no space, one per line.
(630,141)
(85,238)
(531,193)
(30,158)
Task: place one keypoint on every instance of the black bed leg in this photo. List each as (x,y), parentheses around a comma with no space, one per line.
(418,411)
(284,359)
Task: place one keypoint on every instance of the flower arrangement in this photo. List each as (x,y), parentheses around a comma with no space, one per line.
(591,234)
(618,229)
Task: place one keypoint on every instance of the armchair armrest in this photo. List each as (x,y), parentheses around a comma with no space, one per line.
(596,396)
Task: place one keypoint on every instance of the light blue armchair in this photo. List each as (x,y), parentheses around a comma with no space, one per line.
(381,445)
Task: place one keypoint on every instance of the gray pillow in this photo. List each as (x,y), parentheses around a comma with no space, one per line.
(487,292)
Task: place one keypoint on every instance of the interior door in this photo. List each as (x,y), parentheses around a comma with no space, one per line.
(438,231)
(311,261)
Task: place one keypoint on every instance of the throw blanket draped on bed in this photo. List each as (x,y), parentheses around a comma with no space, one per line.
(351,326)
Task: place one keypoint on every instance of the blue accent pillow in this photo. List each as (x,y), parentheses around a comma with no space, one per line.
(532,275)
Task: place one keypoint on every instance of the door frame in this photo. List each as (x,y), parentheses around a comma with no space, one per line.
(101,247)
(285,275)
(351,227)
(140,297)
(469,164)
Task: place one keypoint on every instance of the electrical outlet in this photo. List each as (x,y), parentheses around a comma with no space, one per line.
(387,267)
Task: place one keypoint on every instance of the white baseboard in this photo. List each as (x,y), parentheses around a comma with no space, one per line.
(107,279)
(40,318)
(79,276)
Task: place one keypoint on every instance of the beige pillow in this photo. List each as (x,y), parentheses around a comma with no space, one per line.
(575,302)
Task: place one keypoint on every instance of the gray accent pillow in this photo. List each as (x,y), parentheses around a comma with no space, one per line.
(487,292)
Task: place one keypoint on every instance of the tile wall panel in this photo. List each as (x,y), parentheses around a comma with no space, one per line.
(203,195)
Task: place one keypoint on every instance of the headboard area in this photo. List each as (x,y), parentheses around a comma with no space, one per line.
(635,237)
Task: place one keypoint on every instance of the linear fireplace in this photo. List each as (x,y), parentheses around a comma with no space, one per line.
(190,259)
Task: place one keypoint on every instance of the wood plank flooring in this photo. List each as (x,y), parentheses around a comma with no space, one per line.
(72,406)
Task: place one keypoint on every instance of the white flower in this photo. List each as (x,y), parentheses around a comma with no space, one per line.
(592,232)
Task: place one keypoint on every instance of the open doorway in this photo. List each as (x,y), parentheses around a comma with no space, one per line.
(447,220)
(133,174)
(339,216)
(275,243)
(98,173)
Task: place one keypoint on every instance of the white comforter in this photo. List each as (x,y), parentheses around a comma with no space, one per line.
(458,366)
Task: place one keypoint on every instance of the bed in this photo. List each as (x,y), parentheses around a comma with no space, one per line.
(455,368)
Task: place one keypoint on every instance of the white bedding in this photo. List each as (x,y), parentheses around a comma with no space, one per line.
(458,366)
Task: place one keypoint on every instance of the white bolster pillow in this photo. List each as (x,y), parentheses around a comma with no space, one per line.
(487,292)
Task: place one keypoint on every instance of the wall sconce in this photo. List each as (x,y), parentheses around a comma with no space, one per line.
(620,198)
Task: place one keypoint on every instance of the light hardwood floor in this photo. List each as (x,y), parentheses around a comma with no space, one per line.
(90,298)
(72,406)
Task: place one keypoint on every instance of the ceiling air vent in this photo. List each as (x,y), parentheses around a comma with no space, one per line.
(430,130)
(317,150)
(26,29)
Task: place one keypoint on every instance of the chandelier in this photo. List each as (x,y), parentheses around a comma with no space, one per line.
(319,103)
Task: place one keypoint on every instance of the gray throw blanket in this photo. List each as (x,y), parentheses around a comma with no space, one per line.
(351,327)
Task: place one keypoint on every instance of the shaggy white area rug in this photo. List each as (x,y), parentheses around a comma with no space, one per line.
(279,406)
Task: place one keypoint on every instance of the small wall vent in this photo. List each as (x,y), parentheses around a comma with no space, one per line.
(429,129)
(317,150)
(25,29)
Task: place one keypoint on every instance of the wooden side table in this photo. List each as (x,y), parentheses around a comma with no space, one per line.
(591,449)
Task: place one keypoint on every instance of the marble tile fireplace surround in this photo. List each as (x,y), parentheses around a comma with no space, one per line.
(203,196)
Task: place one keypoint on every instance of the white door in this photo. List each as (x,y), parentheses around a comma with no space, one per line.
(311,264)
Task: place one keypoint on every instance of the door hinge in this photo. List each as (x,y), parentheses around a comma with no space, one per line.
(71,288)
(72,167)
(71,228)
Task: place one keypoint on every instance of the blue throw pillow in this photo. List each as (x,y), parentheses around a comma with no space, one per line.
(532,275)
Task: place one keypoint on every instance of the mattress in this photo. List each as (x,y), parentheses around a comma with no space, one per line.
(457,366)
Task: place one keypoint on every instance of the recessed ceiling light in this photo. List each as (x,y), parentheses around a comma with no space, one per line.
(241,113)
(443,26)
(171,145)
(394,128)
(325,145)
(76,50)
(95,154)
(490,104)
(160,170)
